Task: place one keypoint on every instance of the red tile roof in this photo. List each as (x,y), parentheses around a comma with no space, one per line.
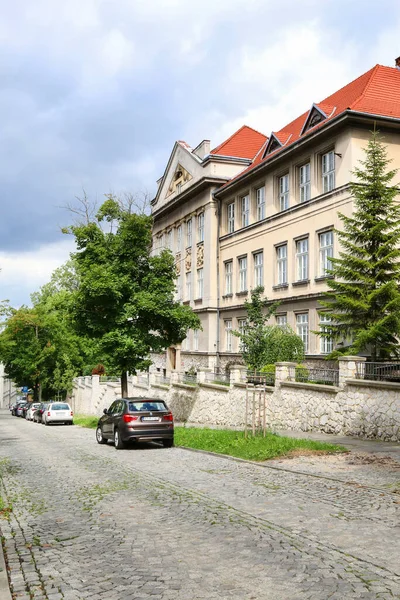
(376,92)
(244,143)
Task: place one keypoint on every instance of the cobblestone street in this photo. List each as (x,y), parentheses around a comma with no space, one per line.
(89,522)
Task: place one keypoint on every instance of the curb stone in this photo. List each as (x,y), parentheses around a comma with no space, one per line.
(5,593)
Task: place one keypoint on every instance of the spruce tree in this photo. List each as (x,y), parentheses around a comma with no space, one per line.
(364,300)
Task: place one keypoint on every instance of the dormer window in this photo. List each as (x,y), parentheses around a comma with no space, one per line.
(273,144)
(316,115)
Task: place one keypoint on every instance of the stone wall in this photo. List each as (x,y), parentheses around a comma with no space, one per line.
(356,407)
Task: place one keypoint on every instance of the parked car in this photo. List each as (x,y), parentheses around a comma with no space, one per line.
(31,410)
(37,415)
(58,412)
(20,408)
(25,409)
(136,419)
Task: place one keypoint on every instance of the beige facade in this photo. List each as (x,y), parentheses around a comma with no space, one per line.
(272,224)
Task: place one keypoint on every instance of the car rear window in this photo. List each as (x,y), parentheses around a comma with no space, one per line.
(152,405)
(59,407)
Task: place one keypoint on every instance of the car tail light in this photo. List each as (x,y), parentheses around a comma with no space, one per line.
(48,414)
(129,418)
(168,417)
(72,413)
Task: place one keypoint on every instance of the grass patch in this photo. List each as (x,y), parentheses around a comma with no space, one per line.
(233,443)
(84,421)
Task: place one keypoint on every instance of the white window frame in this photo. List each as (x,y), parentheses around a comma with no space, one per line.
(195,340)
(284,190)
(179,287)
(305,182)
(245,210)
(241,327)
(328,171)
(200,227)
(302,259)
(258,269)
(326,344)
(260,202)
(229,278)
(242,262)
(281,320)
(189,286)
(282,264)
(228,335)
(325,251)
(302,329)
(230,211)
(200,283)
(189,239)
(179,238)
(169,240)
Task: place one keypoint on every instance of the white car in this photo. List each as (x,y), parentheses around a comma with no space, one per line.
(58,412)
(31,410)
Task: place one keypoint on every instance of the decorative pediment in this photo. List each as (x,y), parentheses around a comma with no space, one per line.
(180,176)
(273,144)
(315,116)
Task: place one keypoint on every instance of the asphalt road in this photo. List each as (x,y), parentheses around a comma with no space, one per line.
(90,522)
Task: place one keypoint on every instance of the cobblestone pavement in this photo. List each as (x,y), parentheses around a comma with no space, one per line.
(90,522)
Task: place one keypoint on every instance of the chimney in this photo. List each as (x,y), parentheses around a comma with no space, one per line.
(397,63)
(202,149)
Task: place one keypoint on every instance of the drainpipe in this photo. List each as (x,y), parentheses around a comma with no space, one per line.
(218,286)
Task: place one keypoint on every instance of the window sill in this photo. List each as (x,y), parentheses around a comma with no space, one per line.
(198,301)
(323,278)
(244,293)
(200,243)
(186,302)
(280,286)
(227,296)
(301,282)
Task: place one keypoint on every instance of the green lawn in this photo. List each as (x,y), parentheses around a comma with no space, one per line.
(233,443)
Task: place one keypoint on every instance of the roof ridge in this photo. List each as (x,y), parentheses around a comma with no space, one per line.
(374,70)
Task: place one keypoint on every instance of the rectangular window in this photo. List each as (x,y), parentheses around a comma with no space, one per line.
(302,329)
(245,205)
(169,240)
(325,252)
(243,274)
(188,233)
(302,259)
(258,269)
(242,329)
(228,277)
(281,320)
(281,260)
(304,182)
(200,283)
(326,344)
(196,339)
(260,200)
(179,238)
(328,171)
(179,287)
(231,217)
(228,336)
(188,286)
(200,228)
(284,192)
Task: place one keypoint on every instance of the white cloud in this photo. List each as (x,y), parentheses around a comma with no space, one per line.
(25,272)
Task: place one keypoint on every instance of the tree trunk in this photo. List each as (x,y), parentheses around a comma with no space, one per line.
(124,384)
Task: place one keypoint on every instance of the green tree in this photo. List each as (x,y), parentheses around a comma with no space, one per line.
(263,344)
(125,298)
(364,301)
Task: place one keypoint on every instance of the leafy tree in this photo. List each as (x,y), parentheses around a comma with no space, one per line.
(125,298)
(263,344)
(364,301)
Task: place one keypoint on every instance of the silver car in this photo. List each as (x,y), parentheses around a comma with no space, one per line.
(31,410)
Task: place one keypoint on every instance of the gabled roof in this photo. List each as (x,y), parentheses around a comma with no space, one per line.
(376,92)
(244,143)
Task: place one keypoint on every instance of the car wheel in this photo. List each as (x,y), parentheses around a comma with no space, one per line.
(168,443)
(100,437)
(118,443)
(46,422)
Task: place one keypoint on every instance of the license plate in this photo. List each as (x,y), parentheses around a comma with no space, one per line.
(150,418)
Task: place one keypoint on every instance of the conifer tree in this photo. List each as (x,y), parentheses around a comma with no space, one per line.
(364,300)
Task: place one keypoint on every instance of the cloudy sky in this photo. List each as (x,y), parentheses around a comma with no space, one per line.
(93,94)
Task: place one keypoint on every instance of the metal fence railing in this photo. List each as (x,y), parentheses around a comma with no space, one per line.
(303,374)
(259,378)
(143,379)
(187,378)
(106,379)
(378,371)
(218,377)
(162,379)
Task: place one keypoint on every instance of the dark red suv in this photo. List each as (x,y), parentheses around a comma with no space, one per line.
(136,419)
